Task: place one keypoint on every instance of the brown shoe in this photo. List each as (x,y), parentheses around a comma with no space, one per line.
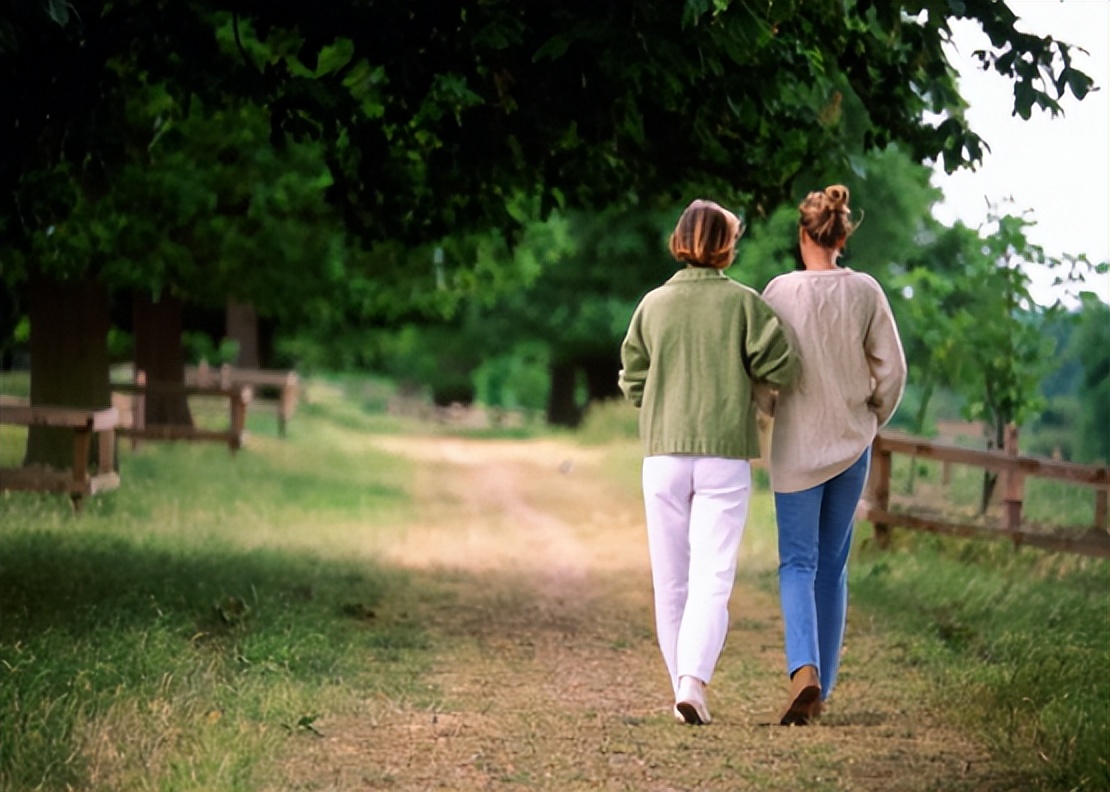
(816,709)
(805,698)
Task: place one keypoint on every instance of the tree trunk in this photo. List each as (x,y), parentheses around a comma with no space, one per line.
(918,429)
(11,310)
(158,352)
(266,343)
(601,376)
(990,477)
(69,359)
(562,409)
(242,327)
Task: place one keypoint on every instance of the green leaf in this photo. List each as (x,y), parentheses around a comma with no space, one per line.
(1079,83)
(1024,96)
(552,49)
(58,10)
(693,11)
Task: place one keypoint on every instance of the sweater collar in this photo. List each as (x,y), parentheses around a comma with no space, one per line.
(696,274)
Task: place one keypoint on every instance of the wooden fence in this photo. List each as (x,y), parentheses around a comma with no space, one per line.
(1013,471)
(77,482)
(134,425)
(285,384)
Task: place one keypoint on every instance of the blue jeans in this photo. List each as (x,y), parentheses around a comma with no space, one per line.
(815,536)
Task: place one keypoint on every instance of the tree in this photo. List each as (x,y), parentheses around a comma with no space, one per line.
(891,199)
(596,267)
(990,340)
(430,116)
(1090,345)
(930,295)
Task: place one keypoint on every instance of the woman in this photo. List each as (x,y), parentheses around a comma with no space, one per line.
(693,348)
(853,372)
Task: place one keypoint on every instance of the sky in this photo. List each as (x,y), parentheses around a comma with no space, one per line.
(1056,167)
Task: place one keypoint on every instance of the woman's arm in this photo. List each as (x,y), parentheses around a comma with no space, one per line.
(635,362)
(769,353)
(886,360)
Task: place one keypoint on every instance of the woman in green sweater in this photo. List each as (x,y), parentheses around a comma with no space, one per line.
(693,349)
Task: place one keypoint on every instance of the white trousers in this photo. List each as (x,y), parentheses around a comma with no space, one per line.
(695,509)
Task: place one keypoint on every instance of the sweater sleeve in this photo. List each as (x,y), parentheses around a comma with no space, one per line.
(634,362)
(769,354)
(886,360)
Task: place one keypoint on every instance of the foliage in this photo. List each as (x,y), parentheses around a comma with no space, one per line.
(1090,346)
(516,379)
(891,198)
(1076,420)
(199,347)
(595,267)
(135,140)
(971,323)
(1003,354)
(582,105)
(607,421)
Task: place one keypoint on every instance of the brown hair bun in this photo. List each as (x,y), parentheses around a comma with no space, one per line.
(826,216)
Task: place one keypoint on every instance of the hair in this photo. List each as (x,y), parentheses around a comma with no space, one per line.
(706,235)
(826,216)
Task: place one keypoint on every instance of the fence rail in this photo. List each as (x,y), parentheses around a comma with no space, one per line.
(132,403)
(286,385)
(1013,470)
(77,481)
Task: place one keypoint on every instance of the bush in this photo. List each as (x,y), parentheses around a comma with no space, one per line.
(609,420)
(452,389)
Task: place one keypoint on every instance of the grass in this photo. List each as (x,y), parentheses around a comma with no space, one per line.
(1017,642)
(1052,503)
(179,630)
(184,628)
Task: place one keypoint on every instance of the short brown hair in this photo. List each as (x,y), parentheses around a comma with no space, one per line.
(706,235)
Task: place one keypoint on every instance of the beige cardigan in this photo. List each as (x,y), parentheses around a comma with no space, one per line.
(852,378)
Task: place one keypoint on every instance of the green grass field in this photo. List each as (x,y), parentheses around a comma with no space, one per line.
(181,629)
(1018,644)
(175,632)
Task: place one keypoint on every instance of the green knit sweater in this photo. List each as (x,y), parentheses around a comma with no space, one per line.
(693,348)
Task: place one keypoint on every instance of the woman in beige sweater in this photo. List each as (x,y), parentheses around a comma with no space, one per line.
(852,374)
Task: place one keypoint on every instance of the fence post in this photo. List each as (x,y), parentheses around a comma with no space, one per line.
(82,442)
(878,490)
(240,396)
(138,409)
(106,451)
(287,401)
(1100,509)
(1014,491)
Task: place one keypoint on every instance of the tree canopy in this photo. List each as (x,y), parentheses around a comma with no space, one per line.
(433,114)
(399,127)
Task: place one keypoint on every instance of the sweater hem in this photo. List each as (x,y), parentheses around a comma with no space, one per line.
(723,452)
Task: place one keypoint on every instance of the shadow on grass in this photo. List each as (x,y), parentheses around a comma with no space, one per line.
(84,582)
(95,624)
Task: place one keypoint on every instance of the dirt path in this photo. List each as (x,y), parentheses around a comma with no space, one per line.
(546,674)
